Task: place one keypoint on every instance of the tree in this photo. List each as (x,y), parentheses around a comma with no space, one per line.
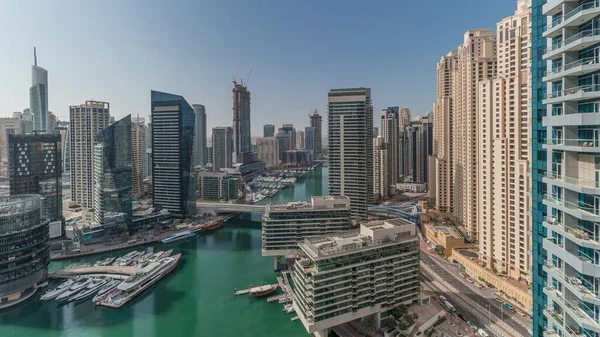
(440,249)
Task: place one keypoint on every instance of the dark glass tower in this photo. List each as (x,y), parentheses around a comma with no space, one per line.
(35,167)
(173,186)
(112,176)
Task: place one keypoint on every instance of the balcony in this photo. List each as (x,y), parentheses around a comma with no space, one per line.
(574,285)
(576,42)
(574,94)
(579,236)
(552,7)
(576,145)
(581,212)
(575,17)
(574,119)
(577,68)
(579,315)
(574,184)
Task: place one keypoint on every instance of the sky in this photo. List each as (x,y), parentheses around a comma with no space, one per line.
(118,50)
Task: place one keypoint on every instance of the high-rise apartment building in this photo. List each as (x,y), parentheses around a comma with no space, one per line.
(64,133)
(241,121)
(375,132)
(350,121)
(420,147)
(113,162)
(285,225)
(52,122)
(310,142)
(268,130)
(299,139)
(24,267)
(565,172)
(381,168)
(199,134)
(316,121)
(389,132)
(404,154)
(222,147)
(268,150)
(441,162)
(283,144)
(148,167)
(138,155)
(38,96)
(218,186)
(172,151)
(404,117)
(503,177)
(476,62)
(8,126)
(35,167)
(370,270)
(291,132)
(86,121)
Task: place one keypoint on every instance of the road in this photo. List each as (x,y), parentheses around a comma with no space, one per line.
(487,307)
(461,324)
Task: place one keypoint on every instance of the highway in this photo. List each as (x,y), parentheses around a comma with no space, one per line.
(468,294)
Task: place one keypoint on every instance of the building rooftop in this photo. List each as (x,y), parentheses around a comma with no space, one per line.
(318,202)
(375,233)
(447,231)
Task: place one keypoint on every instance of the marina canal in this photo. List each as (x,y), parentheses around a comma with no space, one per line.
(195,300)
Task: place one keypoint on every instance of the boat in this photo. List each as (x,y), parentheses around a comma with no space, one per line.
(168,253)
(90,290)
(213,225)
(59,290)
(263,290)
(106,288)
(126,259)
(288,308)
(178,236)
(138,282)
(286,299)
(105,262)
(77,287)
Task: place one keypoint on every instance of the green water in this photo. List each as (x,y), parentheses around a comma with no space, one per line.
(196,300)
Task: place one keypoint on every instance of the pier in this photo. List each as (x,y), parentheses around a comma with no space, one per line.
(247,291)
(120,272)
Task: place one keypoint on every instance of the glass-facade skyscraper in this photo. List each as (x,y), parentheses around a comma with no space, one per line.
(113,176)
(35,167)
(173,184)
(199,134)
(38,96)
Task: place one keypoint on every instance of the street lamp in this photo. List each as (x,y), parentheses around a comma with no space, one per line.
(489,314)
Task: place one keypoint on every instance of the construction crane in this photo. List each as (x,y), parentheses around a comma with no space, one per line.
(249,73)
(237,73)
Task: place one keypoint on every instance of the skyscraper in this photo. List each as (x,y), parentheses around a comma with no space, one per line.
(112,176)
(389,132)
(420,147)
(268,130)
(199,134)
(172,151)
(8,126)
(309,139)
(381,168)
(404,154)
(222,147)
(404,117)
(35,167)
(268,150)
(316,122)
(64,133)
(38,96)
(241,121)
(476,61)
(350,120)
(86,121)
(283,144)
(503,155)
(299,139)
(442,176)
(138,154)
(291,132)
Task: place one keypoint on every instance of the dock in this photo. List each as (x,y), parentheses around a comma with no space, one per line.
(246,291)
(241,292)
(276,297)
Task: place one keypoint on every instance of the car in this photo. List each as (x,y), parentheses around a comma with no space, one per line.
(482,333)
(470,279)
(442,297)
(463,274)
(472,326)
(499,300)
(508,306)
(478,285)
(521,313)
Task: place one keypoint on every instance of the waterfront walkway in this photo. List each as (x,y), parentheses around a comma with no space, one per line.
(95,270)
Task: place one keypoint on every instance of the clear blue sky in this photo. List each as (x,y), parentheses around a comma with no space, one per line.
(118,50)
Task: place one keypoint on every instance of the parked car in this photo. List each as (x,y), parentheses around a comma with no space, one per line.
(443,298)
(470,279)
(463,274)
(499,300)
(508,306)
(521,313)
(478,285)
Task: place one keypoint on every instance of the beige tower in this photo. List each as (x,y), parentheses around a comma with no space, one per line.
(381,168)
(476,62)
(503,156)
(268,150)
(441,161)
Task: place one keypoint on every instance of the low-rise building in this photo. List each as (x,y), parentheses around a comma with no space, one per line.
(412,187)
(366,272)
(445,236)
(286,224)
(218,185)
